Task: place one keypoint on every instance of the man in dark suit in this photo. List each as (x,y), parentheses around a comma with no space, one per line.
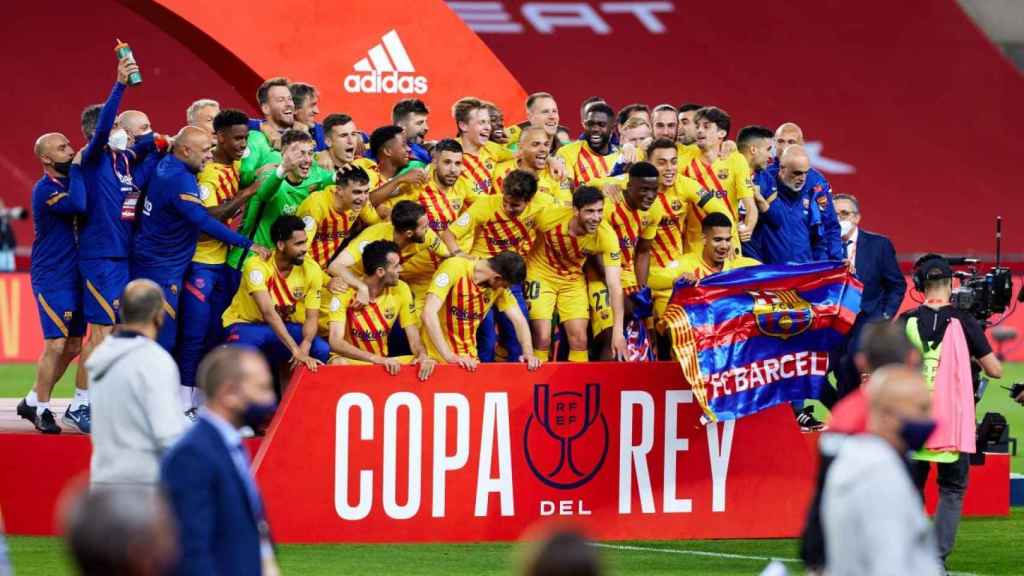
(221,523)
(873,261)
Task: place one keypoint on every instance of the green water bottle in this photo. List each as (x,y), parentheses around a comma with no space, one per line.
(122,50)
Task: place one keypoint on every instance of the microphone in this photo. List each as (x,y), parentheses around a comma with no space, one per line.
(961,260)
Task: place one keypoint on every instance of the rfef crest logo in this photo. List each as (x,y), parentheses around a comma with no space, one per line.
(566,438)
(781,313)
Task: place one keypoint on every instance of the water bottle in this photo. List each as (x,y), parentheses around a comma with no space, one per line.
(122,50)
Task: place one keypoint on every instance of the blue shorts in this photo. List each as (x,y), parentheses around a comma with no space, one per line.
(60,311)
(262,336)
(171,287)
(104,279)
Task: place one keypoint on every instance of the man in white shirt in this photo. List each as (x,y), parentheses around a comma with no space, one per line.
(872,514)
(133,387)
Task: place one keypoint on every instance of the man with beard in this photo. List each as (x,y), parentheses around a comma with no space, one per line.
(56,200)
(445,195)
(593,157)
(277,306)
(275,100)
(343,140)
(461,293)
(393,170)
(533,155)
(420,248)
(411,115)
(479,154)
(687,127)
(494,224)
(555,280)
(754,143)
(207,286)
(282,191)
(360,336)
(334,214)
(172,218)
(498,133)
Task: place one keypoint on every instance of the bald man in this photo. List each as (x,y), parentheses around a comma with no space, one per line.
(134,123)
(56,199)
(821,209)
(135,402)
(173,215)
(873,516)
(800,222)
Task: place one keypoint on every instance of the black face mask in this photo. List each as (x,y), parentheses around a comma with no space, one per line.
(62,167)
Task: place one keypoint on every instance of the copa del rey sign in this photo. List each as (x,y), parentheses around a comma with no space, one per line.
(356,455)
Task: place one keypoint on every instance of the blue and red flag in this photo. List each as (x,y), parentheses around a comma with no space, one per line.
(750,338)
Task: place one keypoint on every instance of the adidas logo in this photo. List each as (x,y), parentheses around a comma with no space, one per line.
(386,70)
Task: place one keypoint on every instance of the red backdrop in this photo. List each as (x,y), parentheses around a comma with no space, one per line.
(909,94)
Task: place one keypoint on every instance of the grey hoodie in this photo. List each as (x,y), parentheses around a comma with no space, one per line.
(136,414)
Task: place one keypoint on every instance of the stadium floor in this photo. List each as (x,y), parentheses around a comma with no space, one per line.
(986,546)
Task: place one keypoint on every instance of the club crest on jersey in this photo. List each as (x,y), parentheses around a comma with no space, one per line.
(389,314)
(677,205)
(723,174)
(67,315)
(781,313)
(298,292)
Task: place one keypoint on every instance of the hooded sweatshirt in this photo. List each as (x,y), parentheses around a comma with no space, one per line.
(136,415)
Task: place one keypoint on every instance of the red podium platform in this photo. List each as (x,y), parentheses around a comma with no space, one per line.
(356,456)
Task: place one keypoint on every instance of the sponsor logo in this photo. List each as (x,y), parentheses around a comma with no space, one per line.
(565,440)
(781,313)
(386,69)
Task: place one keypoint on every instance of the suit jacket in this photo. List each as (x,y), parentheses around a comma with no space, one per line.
(876,267)
(218,528)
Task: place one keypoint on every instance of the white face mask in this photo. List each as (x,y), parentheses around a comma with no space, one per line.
(118,140)
(845,228)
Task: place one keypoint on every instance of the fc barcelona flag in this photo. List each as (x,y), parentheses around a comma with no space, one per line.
(751,338)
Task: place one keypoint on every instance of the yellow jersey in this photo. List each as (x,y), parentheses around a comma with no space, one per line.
(291,296)
(486,230)
(729,178)
(218,183)
(476,168)
(561,255)
(371,168)
(694,263)
(326,229)
(630,226)
(464,305)
(419,261)
(442,206)
(367,328)
(559,191)
(585,164)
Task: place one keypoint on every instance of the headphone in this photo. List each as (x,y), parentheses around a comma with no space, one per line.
(918,275)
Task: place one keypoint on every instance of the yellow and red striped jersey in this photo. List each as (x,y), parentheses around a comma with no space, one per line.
(486,230)
(477,168)
(560,191)
(291,296)
(685,197)
(560,254)
(464,305)
(371,168)
(218,183)
(729,178)
(443,206)
(326,229)
(367,328)
(419,261)
(630,226)
(584,164)
(693,263)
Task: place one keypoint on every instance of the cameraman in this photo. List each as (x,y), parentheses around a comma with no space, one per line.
(949,340)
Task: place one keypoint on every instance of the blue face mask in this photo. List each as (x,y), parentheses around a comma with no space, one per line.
(916,432)
(256,414)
